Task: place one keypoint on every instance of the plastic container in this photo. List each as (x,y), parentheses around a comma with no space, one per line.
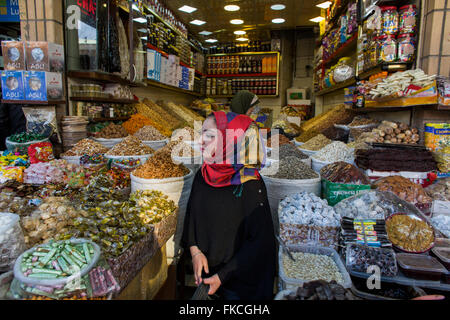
(53,282)
(389,18)
(289,283)
(420,266)
(157,144)
(390,265)
(12,241)
(359,289)
(406,47)
(443,255)
(108,143)
(388,48)
(407,19)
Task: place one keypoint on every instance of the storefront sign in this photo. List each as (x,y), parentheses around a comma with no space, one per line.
(9,11)
(88,7)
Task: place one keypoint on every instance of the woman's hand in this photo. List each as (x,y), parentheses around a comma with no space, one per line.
(199,262)
(214,283)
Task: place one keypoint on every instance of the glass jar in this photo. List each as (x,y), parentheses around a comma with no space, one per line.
(387,48)
(344,70)
(407,19)
(406,47)
(389,18)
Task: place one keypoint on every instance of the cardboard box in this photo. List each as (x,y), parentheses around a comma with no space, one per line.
(43,86)
(13,55)
(13,85)
(44,56)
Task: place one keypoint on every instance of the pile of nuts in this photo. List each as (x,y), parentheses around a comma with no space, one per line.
(160,166)
(148,133)
(112,131)
(53,216)
(391,132)
(309,266)
(178,149)
(86,146)
(335,151)
(316,143)
(130,146)
(282,140)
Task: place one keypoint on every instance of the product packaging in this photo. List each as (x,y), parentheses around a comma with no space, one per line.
(12,85)
(43,86)
(13,55)
(41,120)
(44,56)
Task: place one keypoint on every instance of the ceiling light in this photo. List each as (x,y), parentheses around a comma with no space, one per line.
(205,33)
(211,40)
(187,9)
(143,30)
(236,21)
(240,32)
(140,20)
(144,38)
(324,5)
(231,7)
(278,7)
(242,39)
(317,19)
(278,20)
(198,22)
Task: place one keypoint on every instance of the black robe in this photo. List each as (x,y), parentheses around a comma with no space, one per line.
(236,234)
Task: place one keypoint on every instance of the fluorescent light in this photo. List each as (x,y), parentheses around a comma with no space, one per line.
(140,20)
(187,9)
(205,33)
(211,40)
(143,30)
(278,20)
(236,21)
(324,5)
(198,22)
(144,38)
(240,32)
(278,7)
(317,19)
(232,7)
(242,39)
(135,7)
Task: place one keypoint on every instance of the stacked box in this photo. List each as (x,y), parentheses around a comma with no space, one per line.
(13,55)
(44,56)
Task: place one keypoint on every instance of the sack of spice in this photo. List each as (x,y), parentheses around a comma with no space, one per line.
(341,180)
(406,190)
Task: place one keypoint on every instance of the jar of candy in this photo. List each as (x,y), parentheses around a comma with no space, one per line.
(389,17)
(406,47)
(388,48)
(407,19)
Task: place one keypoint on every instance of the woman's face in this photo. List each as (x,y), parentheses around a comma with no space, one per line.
(209,138)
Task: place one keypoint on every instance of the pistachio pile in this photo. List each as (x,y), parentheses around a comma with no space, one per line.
(149,133)
(112,131)
(130,146)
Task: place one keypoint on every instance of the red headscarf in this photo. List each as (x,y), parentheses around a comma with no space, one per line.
(228,173)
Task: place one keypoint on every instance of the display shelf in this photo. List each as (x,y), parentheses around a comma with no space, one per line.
(336,87)
(172,88)
(163,53)
(231,96)
(105,100)
(168,25)
(242,75)
(390,67)
(339,12)
(99,76)
(31,102)
(242,53)
(110,119)
(438,107)
(342,51)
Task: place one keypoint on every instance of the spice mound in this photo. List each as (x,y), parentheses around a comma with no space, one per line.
(293,168)
(289,150)
(316,143)
(309,266)
(321,290)
(148,133)
(112,131)
(408,233)
(86,146)
(136,122)
(130,146)
(160,166)
(343,172)
(336,151)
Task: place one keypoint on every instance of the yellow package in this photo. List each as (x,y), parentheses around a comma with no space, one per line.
(11,173)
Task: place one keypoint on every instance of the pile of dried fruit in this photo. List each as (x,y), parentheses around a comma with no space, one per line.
(391,132)
(112,131)
(408,233)
(130,146)
(136,122)
(343,172)
(160,166)
(85,146)
(316,143)
(148,133)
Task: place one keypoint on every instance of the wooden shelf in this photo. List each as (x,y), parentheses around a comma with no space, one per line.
(343,50)
(336,87)
(105,100)
(172,88)
(109,119)
(163,53)
(231,96)
(438,107)
(390,67)
(31,102)
(99,76)
(340,11)
(242,75)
